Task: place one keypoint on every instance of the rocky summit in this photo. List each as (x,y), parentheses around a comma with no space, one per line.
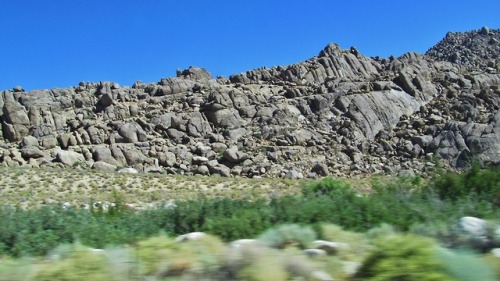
(339,113)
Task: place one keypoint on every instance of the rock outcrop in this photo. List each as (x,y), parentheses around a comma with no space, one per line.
(339,113)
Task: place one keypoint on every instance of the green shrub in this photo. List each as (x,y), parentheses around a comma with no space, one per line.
(485,184)
(82,264)
(235,219)
(358,244)
(328,187)
(494,262)
(465,266)
(205,256)
(15,269)
(289,235)
(403,257)
(161,256)
(262,265)
(153,253)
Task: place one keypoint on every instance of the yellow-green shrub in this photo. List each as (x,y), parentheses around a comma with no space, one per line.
(153,253)
(162,256)
(403,257)
(82,264)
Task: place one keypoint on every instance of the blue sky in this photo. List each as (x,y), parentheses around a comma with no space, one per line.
(55,43)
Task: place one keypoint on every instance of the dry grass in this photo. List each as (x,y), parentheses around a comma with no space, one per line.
(27,187)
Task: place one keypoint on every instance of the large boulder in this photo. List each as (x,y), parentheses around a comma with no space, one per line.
(233,155)
(132,132)
(32,152)
(16,122)
(227,118)
(103,154)
(69,158)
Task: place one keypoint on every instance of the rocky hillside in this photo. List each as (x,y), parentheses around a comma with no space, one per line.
(339,113)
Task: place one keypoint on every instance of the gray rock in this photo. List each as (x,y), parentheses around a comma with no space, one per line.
(190,236)
(331,248)
(321,169)
(69,158)
(197,126)
(100,165)
(236,134)
(321,276)
(105,100)
(176,135)
(227,118)
(422,141)
(16,122)
(293,175)
(103,154)
(219,147)
(197,160)
(473,226)
(128,170)
(233,155)
(202,170)
(220,170)
(167,159)
(315,252)
(134,156)
(132,132)
(32,152)
(18,89)
(484,30)
(49,142)
(29,141)
(496,252)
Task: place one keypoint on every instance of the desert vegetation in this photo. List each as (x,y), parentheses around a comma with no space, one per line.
(378,226)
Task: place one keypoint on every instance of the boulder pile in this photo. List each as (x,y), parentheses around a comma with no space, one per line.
(339,113)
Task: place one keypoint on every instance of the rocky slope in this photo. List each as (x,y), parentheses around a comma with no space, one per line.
(339,113)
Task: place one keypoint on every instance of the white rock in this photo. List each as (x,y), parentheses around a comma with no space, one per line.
(243,243)
(315,252)
(329,247)
(321,275)
(496,252)
(473,226)
(128,171)
(190,236)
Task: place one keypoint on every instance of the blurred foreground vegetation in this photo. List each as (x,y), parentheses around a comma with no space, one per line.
(405,218)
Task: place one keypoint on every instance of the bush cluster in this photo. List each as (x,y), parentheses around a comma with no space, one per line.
(405,203)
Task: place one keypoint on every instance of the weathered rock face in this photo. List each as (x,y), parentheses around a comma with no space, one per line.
(473,49)
(339,113)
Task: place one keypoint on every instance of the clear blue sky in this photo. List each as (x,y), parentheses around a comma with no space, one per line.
(56,43)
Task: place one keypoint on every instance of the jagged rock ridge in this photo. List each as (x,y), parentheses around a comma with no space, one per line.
(339,113)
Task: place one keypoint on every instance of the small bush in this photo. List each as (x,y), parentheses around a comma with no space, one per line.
(464,266)
(358,246)
(82,264)
(485,184)
(403,257)
(289,235)
(266,267)
(494,262)
(153,253)
(328,187)
(15,269)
